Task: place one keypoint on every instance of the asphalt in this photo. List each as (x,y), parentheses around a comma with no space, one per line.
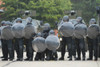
(58,63)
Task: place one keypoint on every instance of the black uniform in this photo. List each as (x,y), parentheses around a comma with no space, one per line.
(29,49)
(19,48)
(8,49)
(69,41)
(80,46)
(93,48)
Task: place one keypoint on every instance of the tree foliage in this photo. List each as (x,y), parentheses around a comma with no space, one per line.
(47,10)
(87,8)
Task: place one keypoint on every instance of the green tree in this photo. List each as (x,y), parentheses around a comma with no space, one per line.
(47,10)
(13,8)
(98,2)
(50,10)
(87,8)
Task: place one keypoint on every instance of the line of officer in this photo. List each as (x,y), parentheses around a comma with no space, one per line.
(69,42)
(93,44)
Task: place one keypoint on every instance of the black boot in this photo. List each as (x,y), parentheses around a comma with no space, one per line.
(5,59)
(70,59)
(89,59)
(78,58)
(61,58)
(26,59)
(30,59)
(2,57)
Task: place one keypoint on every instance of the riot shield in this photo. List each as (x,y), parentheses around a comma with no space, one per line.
(52,42)
(66,29)
(6,33)
(29,31)
(93,31)
(38,44)
(18,30)
(80,31)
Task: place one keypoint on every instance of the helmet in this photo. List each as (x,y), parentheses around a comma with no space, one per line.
(8,23)
(19,20)
(66,18)
(51,32)
(79,19)
(92,21)
(29,20)
(46,26)
(2,22)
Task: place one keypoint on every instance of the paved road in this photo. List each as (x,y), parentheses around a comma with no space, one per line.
(64,63)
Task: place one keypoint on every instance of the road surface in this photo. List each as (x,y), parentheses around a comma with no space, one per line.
(64,63)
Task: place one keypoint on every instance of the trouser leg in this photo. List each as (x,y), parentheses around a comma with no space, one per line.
(5,49)
(17,48)
(95,43)
(82,47)
(77,47)
(29,49)
(73,48)
(10,49)
(69,45)
(63,47)
(90,47)
(20,41)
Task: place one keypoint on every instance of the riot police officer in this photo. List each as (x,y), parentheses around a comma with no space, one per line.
(19,42)
(67,41)
(2,41)
(80,42)
(29,50)
(54,55)
(93,42)
(39,55)
(8,44)
(45,33)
